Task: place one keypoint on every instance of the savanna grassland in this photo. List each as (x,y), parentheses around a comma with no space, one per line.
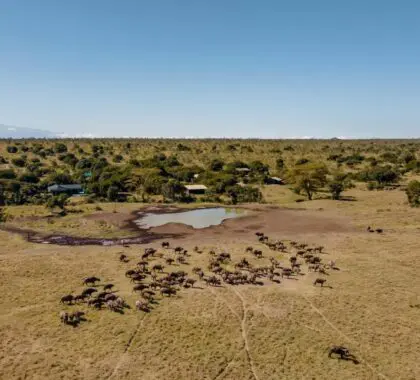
(279,329)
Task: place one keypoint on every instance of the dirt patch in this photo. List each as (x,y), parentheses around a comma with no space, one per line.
(270,220)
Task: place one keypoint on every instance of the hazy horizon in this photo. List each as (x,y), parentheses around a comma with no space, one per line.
(237,69)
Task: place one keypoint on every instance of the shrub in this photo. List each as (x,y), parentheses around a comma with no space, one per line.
(280,163)
(12,149)
(258,166)
(19,162)
(413,193)
(244,194)
(216,165)
(7,174)
(302,161)
(118,158)
(29,177)
(60,148)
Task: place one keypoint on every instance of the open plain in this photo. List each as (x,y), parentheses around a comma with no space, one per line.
(273,330)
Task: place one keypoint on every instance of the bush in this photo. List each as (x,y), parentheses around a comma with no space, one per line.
(302,161)
(29,177)
(382,175)
(336,188)
(413,193)
(280,163)
(216,165)
(118,158)
(60,148)
(244,194)
(7,174)
(19,162)
(258,166)
(12,149)
(69,159)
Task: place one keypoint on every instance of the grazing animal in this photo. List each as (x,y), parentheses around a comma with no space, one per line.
(165,244)
(64,317)
(331,264)
(169,260)
(379,230)
(339,350)
(180,259)
(102,295)
(150,251)
(130,273)
(88,292)
(67,299)
(138,277)
(257,253)
(167,291)
(286,272)
(140,287)
(190,281)
(148,294)
(320,281)
(120,302)
(123,258)
(79,298)
(75,317)
(158,268)
(96,302)
(90,280)
(110,297)
(142,306)
(108,286)
(113,305)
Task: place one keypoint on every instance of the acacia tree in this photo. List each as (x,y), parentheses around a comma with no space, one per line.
(308,178)
(338,184)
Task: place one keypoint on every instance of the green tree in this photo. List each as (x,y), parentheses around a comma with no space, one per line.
(216,165)
(280,163)
(57,201)
(60,148)
(308,178)
(338,184)
(112,193)
(335,188)
(413,193)
(172,189)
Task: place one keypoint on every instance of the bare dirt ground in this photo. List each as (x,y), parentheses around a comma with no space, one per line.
(273,331)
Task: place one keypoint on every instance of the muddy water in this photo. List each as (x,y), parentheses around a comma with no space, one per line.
(199,218)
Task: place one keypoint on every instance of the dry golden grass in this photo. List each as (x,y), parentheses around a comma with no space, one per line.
(275,331)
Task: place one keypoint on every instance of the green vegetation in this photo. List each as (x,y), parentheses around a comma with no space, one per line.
(413,193)
(234,171)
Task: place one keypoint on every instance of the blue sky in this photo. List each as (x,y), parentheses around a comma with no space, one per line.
(226,68)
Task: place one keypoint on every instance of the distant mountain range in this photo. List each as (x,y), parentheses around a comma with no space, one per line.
(7,131)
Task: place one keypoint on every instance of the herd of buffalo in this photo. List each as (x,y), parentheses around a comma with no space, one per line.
(157,275)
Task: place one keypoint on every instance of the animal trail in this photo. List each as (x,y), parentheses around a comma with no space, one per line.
(322,315)
(126,348)
(244,334)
